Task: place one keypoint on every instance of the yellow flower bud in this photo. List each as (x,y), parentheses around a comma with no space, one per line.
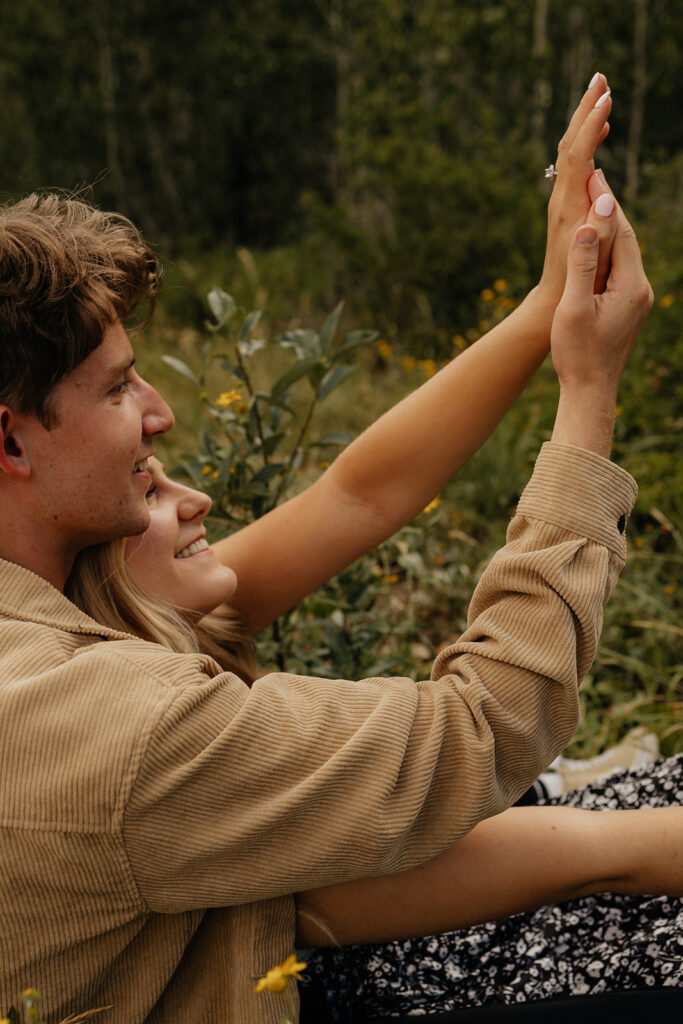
(277,977)
(434,504)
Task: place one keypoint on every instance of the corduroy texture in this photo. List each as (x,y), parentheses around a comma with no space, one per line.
(141,787)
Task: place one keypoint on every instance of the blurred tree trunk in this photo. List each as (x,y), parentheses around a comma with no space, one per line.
(635,128)
(543,90)
(578,55)
(108,87)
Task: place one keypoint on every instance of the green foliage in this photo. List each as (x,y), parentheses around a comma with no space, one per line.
(256,438)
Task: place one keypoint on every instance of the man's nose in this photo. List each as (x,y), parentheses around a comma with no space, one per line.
(157,417)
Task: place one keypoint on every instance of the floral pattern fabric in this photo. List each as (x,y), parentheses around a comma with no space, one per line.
(582,947)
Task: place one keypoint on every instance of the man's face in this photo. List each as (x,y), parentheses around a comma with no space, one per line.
(88,470)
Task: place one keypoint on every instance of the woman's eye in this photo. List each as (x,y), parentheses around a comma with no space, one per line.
(120,388)
(150,492)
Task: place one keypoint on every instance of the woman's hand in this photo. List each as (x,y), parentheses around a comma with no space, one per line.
(571,200)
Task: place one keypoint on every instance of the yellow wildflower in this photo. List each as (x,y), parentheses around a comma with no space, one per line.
(428,367)
(226,398)
(277,977)
(242,408)
(669,588)
(487,295)
(206,470)
(666,301)
(618,410)
(434,504)
(215,474)
(500,284)
(390,579)
(408,363)
(384,348)
(639,542)
(459,341)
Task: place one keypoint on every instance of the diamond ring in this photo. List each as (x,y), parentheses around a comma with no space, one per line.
(550,171)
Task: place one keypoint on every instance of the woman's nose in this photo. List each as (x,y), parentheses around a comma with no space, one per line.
(193,504)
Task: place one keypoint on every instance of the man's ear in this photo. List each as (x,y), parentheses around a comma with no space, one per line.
(13,455)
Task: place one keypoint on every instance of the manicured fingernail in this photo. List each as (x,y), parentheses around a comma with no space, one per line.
(603,98)
(604,204)
(594,79)
(586,235)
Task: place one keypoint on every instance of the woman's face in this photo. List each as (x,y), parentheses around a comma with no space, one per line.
(172,560)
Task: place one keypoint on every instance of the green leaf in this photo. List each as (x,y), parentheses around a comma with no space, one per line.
(340,437)
(247,348)
(300,369)
(180,367)
(362,337)
(336,376)
(352,341)
(250,322)
(234,368)
(329,328)
(267,473)
(221,305)
(304,342)
(270,444)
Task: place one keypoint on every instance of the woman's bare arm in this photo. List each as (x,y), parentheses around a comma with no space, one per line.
(523,858)
(382,480)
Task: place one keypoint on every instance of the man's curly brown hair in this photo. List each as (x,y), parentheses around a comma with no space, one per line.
(67,272)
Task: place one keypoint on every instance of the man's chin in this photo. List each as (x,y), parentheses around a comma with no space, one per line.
(132,525)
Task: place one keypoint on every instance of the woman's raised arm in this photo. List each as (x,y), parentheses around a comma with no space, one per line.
(382,480)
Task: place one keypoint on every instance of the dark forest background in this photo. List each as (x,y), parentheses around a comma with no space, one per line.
(406,141)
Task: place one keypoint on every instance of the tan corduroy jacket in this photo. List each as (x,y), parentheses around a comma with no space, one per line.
(156,813)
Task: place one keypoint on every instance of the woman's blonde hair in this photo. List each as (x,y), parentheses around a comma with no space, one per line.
(101,586)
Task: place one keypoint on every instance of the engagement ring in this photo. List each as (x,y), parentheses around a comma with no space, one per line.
(550,171)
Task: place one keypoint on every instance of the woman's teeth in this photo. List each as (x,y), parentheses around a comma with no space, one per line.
(192,549)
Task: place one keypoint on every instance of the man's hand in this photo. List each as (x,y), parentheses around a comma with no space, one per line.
(592,335)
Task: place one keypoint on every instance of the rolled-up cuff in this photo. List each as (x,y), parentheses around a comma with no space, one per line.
(582,492)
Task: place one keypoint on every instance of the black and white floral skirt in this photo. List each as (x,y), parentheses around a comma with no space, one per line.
(586,946)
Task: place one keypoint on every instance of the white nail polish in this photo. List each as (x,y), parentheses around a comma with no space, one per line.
(594,79)
(603,99)
(604,204)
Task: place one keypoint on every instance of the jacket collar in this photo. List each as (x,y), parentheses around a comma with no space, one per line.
(30,598)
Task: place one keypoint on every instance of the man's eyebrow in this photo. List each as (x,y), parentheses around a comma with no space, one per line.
(115,371)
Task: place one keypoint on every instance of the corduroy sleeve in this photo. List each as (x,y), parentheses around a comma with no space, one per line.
(245,794)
